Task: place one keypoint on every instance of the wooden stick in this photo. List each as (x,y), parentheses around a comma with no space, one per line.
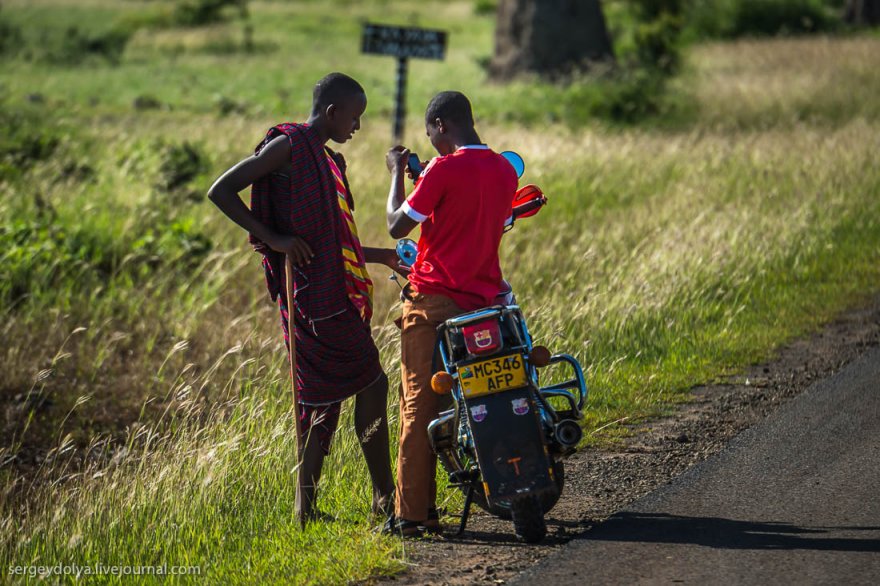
(291,336)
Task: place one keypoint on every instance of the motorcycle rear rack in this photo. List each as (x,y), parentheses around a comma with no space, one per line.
(565,390)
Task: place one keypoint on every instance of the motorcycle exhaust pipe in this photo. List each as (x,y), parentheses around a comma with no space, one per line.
(568,433)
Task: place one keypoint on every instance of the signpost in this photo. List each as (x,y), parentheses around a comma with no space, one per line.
(403,43)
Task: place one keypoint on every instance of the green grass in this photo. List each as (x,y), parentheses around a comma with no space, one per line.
(150,376)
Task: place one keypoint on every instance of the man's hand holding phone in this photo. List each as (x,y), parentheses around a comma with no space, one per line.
(399,158)
(396,159)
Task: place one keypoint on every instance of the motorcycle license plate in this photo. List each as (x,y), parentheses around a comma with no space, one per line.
(492,376)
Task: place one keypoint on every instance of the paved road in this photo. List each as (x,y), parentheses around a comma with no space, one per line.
(793,500)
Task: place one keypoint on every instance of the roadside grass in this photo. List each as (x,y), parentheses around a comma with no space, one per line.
(667,257)
(740,86)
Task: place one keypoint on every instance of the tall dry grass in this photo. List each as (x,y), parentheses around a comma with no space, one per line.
(755,84)
(150,412)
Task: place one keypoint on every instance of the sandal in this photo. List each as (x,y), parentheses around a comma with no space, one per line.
(319,516)
(403,527)
(432,524)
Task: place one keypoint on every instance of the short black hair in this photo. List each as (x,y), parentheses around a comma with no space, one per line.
(333,88)
(450,106)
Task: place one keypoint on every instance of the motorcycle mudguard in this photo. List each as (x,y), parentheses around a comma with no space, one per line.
(509,445)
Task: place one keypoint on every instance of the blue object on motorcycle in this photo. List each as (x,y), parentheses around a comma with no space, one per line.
(516,162)
(407,251)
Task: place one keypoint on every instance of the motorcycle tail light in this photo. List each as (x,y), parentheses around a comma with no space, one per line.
(482,337)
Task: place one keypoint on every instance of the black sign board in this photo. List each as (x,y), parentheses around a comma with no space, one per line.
(404,41)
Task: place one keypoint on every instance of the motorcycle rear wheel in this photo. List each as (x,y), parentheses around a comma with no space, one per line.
(503,509)
(528,519)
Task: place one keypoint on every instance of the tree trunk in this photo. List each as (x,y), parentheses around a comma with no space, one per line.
(863,12)
(548,37)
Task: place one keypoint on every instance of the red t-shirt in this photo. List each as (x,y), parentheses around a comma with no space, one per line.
(463,201)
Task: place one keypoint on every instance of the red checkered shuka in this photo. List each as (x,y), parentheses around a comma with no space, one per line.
(301,200)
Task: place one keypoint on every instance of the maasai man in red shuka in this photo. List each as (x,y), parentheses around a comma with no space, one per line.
(301,207)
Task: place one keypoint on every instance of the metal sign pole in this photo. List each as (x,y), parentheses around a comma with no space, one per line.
(400,101)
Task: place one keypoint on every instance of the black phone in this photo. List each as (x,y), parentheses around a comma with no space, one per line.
(414,165)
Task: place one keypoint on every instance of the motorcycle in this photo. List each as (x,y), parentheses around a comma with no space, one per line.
(503,442)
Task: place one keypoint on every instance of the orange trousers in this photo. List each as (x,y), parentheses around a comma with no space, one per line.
(419,405)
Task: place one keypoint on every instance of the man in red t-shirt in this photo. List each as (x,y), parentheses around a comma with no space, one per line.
(463,199)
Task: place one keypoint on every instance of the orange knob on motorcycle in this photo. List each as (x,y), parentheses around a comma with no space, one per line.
(441,382)
(539,356)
